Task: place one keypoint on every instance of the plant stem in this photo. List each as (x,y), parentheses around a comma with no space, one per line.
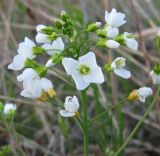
(108,109)
(121,130)
(85,122)
(138,124)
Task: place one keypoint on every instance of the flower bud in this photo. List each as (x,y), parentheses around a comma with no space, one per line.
(52,37)
(157,69)
(47,30)
(101,33)
(64,16)
(58,24)
(108,43)
(108,67)
(55,59)
(38,50)
(94,26)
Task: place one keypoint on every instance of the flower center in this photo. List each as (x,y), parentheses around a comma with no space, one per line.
(119,63)
(84,69)
(157,69)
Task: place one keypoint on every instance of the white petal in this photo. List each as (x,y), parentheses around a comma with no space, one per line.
(71,104)
(49,63)
(115,19)
(80,83)
(112,44)
(95,76)
(25,48)
(131,43)
(32,89)
(58,44)
(65,113)
(46,84)
(40,27)
(70,65)
(29,42)
(89,59)
(9,107)
(145,91)
(112,32)
(49,49)
(155,77)
(123,73)
(27,75)
(42,38)
(18,63)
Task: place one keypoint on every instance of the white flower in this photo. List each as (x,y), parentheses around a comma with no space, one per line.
(84,71)
(130,41)
(111,32)
(40,37)
(115,19)
(144,92)
(155,77)
(112,44)
(118,67)
(28,75)
(34,86)
(9,107)
(56,46)
(71,106)
(24,52)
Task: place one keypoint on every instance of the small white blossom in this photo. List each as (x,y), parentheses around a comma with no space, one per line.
(9,107)
(112,44)
(40,37)
(24,52)
(111,32)
(56,46)
(144,92)
(71,106)
(33,85)
(84,71)
(155,77)
(130,41)
(115,19)
(118,67)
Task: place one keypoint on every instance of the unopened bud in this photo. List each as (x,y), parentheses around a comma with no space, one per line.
(108,43)
(94,26)
(52,37)
(47,30)
(58,24)
(157,69)
(108,68)
(38,50)
(101,33)
(77,114)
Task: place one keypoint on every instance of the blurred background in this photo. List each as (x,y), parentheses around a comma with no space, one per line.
(40,129)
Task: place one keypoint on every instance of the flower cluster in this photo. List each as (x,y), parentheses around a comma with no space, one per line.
(59,41)
(110,36)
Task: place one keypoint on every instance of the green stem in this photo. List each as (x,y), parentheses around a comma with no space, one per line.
(121,130)
(107,110)
(138,124)
(85,122)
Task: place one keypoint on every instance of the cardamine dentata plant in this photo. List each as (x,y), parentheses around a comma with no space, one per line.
(61,42)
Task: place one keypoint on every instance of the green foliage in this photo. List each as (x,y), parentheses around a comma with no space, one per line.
(5,150)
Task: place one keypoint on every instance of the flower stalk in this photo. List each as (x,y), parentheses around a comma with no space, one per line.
(85,122)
